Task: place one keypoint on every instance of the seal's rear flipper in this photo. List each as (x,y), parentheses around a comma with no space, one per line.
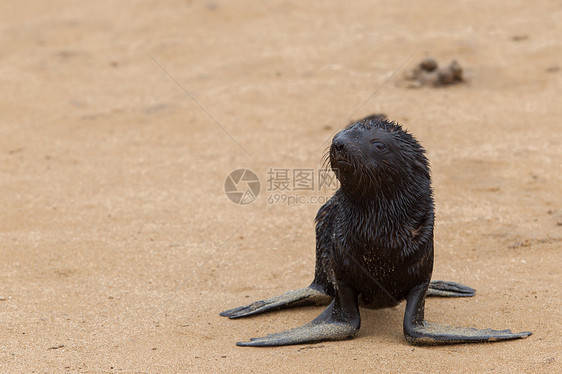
(419,332)
(449,289)
(310,333)
(339,321)
(300,297)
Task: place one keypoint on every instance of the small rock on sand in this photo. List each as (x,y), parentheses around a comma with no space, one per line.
(428,73)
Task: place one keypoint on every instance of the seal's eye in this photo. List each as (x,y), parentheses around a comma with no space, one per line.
(378,145)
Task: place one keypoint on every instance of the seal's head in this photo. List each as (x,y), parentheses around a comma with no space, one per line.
(377,156)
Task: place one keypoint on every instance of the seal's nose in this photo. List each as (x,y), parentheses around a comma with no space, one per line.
(338,142)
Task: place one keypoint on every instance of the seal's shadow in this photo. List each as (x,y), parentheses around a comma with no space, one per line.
(383,323)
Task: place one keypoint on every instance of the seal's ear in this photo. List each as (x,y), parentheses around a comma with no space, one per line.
(421,165)
(422,168)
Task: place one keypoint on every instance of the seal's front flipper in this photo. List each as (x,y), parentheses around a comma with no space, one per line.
(300,297)
(420,332)
(339,321)
(449,289)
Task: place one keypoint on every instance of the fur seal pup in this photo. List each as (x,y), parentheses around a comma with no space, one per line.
(374,245)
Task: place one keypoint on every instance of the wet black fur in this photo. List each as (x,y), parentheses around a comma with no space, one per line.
(376,232)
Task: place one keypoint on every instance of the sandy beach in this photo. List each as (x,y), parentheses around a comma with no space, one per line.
(121,121)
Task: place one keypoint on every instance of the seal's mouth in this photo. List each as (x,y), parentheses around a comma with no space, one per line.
(341,162)
(341,165)
(338,159)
